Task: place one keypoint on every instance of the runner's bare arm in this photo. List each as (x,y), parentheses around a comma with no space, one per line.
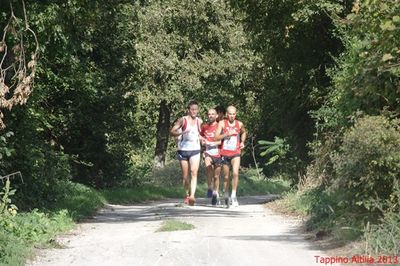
(218,133)
(243,134)
(174,130)
(202,137)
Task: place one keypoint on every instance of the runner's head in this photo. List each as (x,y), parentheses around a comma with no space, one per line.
(231,113)
(193,109)
(212,115)
(220,112)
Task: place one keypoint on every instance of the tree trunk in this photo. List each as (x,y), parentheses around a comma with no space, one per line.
(162,134)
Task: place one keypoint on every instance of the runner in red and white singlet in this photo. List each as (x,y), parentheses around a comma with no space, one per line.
(212,157)
(233,135)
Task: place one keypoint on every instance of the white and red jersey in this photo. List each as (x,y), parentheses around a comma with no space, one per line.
(208,131)
(190,139)
(231,145)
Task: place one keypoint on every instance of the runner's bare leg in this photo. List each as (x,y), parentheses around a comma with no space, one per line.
(185,175)
(235,172)
(225,169)
(217,173)
(194,162)
(209,171)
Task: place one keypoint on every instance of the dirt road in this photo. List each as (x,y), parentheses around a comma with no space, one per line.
(126,235)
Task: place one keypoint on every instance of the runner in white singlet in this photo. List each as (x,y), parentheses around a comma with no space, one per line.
(186,130)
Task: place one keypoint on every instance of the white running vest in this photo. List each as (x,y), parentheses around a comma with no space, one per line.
(190,140)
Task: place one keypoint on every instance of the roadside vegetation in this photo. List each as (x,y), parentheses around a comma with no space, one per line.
(88,94)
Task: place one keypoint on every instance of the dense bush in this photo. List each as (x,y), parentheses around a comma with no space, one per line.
(42,171)
(368,162)
(19,233)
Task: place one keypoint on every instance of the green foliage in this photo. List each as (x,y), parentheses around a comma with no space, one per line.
(37,226)
(276,149)
(311,9)
(141,193)
(42,169)
(5,151)
(252,184)
(290,78)
(281,158)
(299,69)
(80,200)
(203,50)
(364,170)
(141,167)
(369,70)
(80,116)
(13,251)
(357,155)
(296,203)
(368,161)
(19,234)
(187,50)
(169,176)
(383,238)
(6,207)
(328,212)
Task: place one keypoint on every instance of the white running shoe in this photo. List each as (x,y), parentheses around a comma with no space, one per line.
(235,202)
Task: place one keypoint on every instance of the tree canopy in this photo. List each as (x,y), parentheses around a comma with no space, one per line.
(112,76)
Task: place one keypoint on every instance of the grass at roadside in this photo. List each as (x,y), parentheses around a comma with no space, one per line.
(324,213)
(251,183)
(80,201)
(336,237)
(342,229)
(147,192)
(174,225)
(21,232)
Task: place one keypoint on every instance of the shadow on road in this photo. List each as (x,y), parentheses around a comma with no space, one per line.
(172,208)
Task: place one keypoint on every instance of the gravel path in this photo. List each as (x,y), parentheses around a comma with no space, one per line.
(126,235)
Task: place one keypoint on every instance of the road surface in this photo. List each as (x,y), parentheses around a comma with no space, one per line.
(127,235)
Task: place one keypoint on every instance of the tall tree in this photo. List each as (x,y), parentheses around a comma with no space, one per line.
(188,49)
(78,112)
(296,41)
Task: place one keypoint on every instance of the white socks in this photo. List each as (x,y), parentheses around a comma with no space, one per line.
(233,194)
